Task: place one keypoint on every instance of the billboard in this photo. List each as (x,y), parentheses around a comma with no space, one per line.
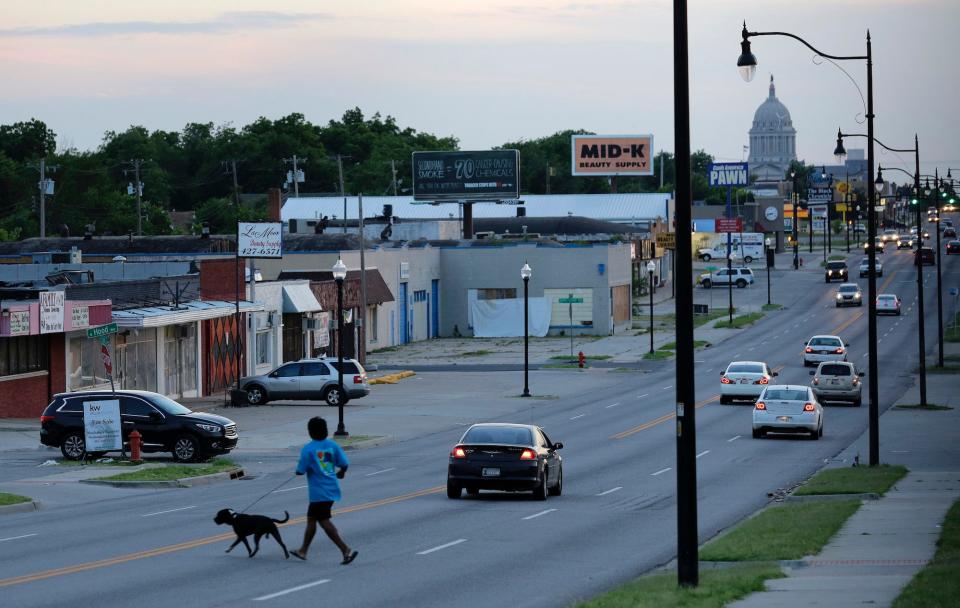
(593,155)
(260,239)
(459,176)
(729,174)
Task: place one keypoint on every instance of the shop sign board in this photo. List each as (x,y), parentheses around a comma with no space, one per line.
(51,312)
(593,155)
(102,425)
(260,239)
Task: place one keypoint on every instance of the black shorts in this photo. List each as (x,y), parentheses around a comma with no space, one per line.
(320,511)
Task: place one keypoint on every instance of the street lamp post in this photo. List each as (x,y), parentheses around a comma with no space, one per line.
(796,203)
(339,274)
(730,285)
(769,254)
(942,191)
(650,268)
(525,274)
(748,67)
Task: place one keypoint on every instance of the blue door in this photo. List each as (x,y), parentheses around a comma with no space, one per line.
(402,302)
(434,308)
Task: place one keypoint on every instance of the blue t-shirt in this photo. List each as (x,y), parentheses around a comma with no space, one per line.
(319,461)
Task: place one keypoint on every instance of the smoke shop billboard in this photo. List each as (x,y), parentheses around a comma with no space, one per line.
(466,176)
(594,155)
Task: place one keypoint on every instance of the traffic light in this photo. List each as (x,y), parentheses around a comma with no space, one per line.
(914,201)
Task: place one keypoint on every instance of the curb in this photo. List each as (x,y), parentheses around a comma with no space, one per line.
(790,498)
(20,507)
(368,443)
(392,378)
(186,482)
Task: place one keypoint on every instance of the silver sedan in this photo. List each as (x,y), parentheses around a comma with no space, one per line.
(788,408)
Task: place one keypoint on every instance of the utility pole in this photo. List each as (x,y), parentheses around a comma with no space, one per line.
(393,171)
(43,168)
(342,193)
(135,163)
(296,173)
(230,166)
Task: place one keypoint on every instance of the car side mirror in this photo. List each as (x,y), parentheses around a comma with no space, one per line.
(273,374)
(813,373)
(847,345)
(558,446)
(861,374)
(156,417)
(775,374)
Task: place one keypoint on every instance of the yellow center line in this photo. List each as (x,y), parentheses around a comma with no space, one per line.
(192,544)
(660,420)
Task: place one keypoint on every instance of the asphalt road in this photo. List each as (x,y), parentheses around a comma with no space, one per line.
(616,518)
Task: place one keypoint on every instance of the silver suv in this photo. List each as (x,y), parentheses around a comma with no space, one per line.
(741,277)
(308,379)
(837,381)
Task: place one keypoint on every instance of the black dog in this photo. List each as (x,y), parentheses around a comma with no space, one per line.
(257,525)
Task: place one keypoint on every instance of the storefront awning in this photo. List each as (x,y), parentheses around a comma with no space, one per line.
(186,312)
(299,298)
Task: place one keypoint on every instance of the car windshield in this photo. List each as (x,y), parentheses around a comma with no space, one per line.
(849,289)
(835,369)
(836,265)
(824,342)
(169,406)
(784,394)
(744,368)
(499,434)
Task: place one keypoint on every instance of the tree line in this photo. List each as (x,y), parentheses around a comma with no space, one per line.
(219,174)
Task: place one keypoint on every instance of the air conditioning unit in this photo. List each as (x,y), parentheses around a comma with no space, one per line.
(486,234)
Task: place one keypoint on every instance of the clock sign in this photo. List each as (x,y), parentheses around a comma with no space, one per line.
(770,213)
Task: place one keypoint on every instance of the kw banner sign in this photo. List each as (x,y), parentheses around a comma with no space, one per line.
(101,426)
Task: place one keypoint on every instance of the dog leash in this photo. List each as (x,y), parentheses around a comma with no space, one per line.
(283,483)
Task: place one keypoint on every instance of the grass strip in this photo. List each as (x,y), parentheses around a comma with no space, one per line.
(174,471)
(561,366)
(593,357)
(772,306)
(946,369)
(938,584)
(741,321)
(673,345)
(11,499)
(919,406)
(952,333)
(853,480)
(699,320)
(474,353)
(353,439)
(658,355)
(784,532)
(116,462)
(717,588)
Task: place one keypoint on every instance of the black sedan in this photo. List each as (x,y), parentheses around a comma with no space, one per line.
(953,247)
(509,457)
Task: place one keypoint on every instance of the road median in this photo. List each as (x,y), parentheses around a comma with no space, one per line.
(392,378)
(173,476)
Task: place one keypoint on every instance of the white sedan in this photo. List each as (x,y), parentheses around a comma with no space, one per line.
(888,303)
(788,408)
(824,348)
(744,380)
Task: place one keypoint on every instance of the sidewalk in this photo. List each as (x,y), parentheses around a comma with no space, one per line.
(887,541)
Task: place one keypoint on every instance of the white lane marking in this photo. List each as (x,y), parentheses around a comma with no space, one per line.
(736,355)
(661,471)
(709,370)
(610,491)
(18,537)
(703,453)
(864,355)
(539,514)
(612,405)
(668,386)
(170,511)
(381,471)
(734,438)
(578,416)
(291,590)
(763,342)
(749,350)
(643,395)
(899,451)
(289,489)
(444,546)
(695,361)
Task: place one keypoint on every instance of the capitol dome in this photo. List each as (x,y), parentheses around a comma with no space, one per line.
(773,140)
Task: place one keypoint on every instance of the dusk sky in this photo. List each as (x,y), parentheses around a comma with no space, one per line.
(486,72)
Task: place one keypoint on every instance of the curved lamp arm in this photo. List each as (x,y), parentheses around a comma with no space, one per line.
(841,135)
(747,35)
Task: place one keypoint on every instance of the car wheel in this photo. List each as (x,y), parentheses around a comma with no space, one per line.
(858,402)
(73,447)
(724,400)
(757,434)
(706,257)
(186,449)
(557,490)
(706,284)
(898,313)
(540,492)
(333,396)
(256,395)
(473,491)
(741,283)
(815,434)
(826,280)
(453,490)
(748,259)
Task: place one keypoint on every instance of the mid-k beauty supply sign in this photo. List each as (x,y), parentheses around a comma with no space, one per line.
(594,155)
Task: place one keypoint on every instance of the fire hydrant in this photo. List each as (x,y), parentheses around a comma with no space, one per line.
(135,446)
(581,359)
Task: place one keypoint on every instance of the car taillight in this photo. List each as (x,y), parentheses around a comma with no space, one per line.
(725,380)
(808,349)
(528,455)
(839,351)
(458,452)
(763,380)
(46,419)
(358,379)
(816,379)
(808,407)
(760,405)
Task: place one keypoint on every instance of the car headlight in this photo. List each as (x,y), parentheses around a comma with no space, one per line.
(210,428)
(839,296)
(856,296)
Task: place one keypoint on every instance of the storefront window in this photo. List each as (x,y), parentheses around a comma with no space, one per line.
(23,354)
(263,347)
(136,360)
(180,359)
(85,366)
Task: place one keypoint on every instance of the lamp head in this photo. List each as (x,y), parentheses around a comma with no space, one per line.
(651,266)
(746,63)
(526,272)
(879,180)
(768,241)
(840,153)
(339,270)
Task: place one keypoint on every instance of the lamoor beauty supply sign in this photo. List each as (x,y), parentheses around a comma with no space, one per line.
(260,239)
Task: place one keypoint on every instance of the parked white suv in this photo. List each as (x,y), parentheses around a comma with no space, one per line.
(741,277)
(308,379)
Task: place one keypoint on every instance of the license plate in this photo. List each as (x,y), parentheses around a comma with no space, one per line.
(491,472)
(744,381)
(784,418)
(834,382)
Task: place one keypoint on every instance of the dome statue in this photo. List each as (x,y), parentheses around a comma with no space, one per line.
(773,140)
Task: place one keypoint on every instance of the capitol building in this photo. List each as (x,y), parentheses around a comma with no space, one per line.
(773,140)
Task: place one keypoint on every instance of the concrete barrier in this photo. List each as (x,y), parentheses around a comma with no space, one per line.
(392,378)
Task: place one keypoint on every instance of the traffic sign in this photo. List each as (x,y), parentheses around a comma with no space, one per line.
(103,330)
(107,361)
(667,240)
(571,300)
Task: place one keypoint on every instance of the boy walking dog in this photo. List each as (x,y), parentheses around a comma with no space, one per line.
(324,463)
